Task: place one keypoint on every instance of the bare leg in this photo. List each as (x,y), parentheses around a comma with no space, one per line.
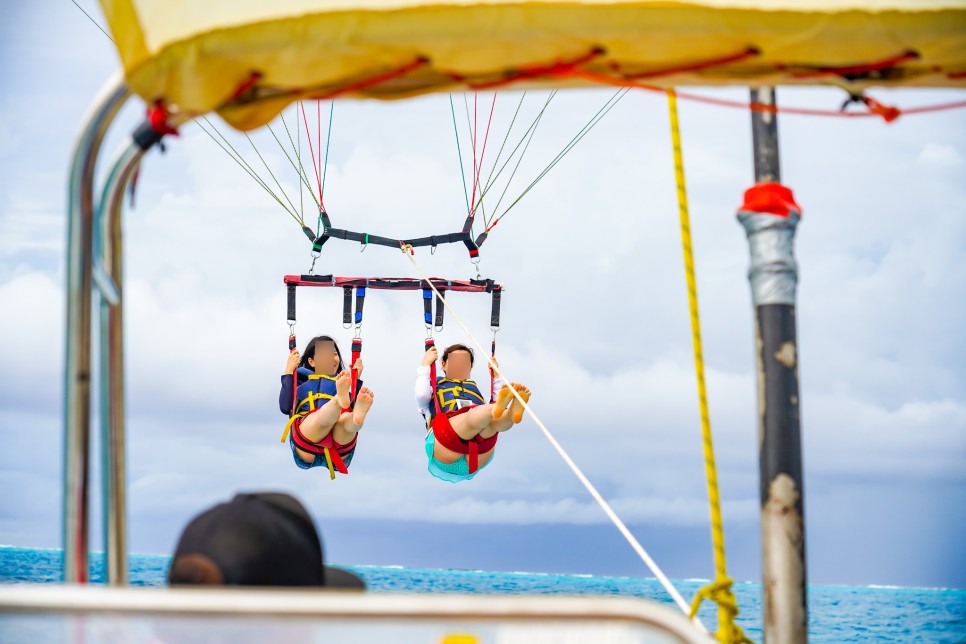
(470,423)
(319,423)
(501,424)
(484,421)
(351,422)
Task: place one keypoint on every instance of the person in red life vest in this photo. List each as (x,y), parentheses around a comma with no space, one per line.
(462,428)
(324,420)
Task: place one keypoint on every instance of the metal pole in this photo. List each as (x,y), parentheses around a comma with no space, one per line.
(108,250)
(77,346)
(774,276)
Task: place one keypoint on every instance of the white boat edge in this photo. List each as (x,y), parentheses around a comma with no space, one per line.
(321,603)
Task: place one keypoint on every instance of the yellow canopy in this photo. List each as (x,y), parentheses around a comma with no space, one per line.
(248,59)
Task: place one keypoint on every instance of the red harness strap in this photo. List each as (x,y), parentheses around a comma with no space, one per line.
(335,450)
(448,438)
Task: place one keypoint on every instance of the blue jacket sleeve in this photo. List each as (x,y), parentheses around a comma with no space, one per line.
(286,393)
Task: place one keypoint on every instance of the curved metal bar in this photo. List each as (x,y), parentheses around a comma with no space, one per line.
(77,344)
(108,252)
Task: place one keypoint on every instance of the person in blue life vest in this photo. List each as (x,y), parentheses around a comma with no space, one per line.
(316,394)
(462,428)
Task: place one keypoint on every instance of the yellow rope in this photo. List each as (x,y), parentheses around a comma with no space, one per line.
(718,591)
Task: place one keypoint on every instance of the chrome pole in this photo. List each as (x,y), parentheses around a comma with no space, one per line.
(109,268)
(77,346)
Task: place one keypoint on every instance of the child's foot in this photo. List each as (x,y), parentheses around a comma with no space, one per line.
(343,384)
(516,409)
(503,399)
(363,403)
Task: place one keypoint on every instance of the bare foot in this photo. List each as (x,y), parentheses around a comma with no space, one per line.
(363,403)
(343,383)
(516,409)
(503,399)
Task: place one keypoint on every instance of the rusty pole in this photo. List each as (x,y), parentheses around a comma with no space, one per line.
(774,275)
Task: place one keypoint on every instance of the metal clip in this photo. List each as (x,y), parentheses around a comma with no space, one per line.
(315,255)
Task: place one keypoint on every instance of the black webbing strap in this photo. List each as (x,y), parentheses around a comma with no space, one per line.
(440,307)
(465,237)
(291,303)
(486,283)
(291,316)
(324,279)
(495,308)
(347,305)
(379,240)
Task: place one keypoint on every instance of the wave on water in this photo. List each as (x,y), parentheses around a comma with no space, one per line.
(840,614)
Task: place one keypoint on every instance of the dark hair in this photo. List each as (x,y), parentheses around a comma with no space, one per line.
(310,352)
(458,347)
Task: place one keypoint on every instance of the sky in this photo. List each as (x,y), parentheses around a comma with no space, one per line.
(595,321)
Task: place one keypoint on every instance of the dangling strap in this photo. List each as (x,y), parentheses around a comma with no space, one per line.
(333,460)
(428,307)
(288,427)
(292,344)
(494,326)
(346,306)
(440,308)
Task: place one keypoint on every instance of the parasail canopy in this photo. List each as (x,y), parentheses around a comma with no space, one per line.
(248,59)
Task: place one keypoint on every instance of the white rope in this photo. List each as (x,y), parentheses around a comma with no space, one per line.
(616,520)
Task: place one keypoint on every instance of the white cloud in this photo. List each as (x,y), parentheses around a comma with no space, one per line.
(940,154)
(595,315)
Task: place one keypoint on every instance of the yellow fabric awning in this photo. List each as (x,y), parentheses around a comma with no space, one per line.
(248,59)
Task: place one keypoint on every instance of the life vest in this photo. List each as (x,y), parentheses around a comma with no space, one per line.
(314,393)
(449,398)
(451,395)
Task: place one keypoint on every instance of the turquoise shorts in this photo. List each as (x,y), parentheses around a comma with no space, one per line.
(452,472)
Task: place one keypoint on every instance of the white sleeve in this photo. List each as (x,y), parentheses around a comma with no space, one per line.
(497,384)
(423,389)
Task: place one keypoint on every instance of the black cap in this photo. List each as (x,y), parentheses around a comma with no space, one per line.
(264,539)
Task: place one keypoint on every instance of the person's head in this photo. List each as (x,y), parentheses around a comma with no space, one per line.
(265,539)
(457,362)
(322,356)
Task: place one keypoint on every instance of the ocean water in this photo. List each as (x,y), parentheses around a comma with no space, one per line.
(836,613)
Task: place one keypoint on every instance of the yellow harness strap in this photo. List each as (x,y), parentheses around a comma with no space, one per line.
(288,426)
(328,463)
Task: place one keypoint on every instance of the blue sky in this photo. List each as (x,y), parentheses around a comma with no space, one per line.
(595,320)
